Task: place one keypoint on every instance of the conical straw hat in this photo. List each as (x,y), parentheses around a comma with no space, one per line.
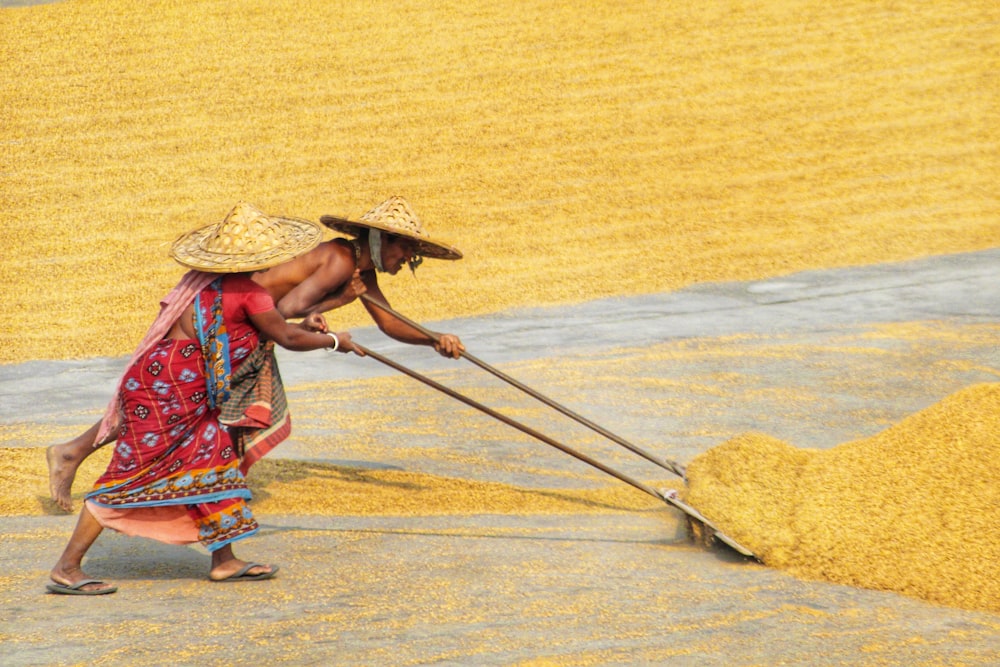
(246,240)
(395,216)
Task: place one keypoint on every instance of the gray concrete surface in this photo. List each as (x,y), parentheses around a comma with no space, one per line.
(799,357)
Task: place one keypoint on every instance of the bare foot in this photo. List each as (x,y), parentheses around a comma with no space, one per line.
(76,575)
(62,470)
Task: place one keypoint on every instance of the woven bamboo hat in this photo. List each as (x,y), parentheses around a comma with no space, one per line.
(394,216)
(246,240)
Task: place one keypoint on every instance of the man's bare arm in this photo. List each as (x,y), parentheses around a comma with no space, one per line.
(447,345)
(333,284)
(347,293)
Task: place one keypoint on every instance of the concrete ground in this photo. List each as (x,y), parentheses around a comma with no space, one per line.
(816,359)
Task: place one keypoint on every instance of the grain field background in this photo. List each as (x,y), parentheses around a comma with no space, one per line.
(571,150)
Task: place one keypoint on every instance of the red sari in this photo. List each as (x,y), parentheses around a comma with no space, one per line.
(174,475)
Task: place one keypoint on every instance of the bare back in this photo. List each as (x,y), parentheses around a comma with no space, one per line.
(309,282)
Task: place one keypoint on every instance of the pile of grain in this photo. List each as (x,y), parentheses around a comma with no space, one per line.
(913,509)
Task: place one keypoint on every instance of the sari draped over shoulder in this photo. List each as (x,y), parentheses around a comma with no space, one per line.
(171,306)
(174,473)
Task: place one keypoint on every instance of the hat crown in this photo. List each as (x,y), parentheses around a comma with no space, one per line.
(395,213)
(394,216)
(246,240)
(245,230)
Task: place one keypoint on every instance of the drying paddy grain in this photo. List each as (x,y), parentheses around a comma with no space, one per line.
(304,488)
(571,154)
(913,509)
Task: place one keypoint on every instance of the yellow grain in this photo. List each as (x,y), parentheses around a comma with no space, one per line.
(628,148)
(913,509)
(625,148)
(295,487)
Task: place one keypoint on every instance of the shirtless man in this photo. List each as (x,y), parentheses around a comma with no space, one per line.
(331,275)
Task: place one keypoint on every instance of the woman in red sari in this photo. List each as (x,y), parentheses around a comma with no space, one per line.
(175,473)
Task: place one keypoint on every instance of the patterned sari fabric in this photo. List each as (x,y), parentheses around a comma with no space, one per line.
(256,412)
(173,458)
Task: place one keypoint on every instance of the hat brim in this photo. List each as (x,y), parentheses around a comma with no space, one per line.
(301,237)
(425,247)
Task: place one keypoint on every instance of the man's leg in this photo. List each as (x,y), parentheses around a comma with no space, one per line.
(64,460)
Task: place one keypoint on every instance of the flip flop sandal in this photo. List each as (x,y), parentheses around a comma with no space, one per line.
(77,588)
(241,574)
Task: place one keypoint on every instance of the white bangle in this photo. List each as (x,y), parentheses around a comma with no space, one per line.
(336,342)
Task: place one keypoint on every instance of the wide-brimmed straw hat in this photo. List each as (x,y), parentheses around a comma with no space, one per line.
(246,240)
(394,216)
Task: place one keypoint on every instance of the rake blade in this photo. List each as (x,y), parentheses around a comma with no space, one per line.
(700,529)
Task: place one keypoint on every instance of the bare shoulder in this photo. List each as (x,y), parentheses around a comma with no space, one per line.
(334,250)
(322,269)
(332,264)
(323,256)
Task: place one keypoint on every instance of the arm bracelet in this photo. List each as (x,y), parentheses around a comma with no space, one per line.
(336,341)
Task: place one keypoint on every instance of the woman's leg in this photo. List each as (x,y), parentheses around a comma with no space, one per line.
(224,522)
(67,570)
(225,564)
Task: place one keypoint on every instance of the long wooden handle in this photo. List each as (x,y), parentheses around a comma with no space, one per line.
(667,464)
(510,422)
